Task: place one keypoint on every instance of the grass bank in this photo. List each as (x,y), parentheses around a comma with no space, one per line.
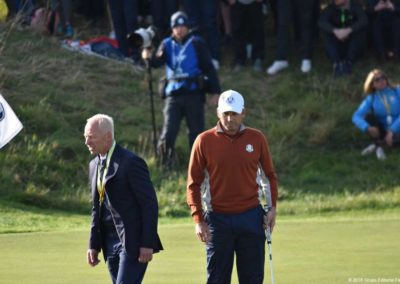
(307,119)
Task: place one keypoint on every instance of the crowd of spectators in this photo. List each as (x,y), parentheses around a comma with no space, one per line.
(346,27)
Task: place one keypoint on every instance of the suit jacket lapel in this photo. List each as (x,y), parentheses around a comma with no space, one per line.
(112,170)
(93,174)
(114,164)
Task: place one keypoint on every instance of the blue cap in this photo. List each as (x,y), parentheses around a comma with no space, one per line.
(179,19)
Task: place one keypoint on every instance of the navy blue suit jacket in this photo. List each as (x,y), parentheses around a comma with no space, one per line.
(133,203)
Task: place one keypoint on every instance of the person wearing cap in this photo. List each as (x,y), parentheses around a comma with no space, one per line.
(228,165)
(189,75)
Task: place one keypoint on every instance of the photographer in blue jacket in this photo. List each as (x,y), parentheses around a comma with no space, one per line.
(190,74)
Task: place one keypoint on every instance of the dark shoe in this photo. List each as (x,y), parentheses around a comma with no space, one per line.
(338,69)
(237,67)
(347,67)
(69,31)
(257,66)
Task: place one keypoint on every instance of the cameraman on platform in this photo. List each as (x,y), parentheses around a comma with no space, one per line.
(190,74)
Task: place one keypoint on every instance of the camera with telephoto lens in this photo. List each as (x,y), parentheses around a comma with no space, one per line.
(142,38)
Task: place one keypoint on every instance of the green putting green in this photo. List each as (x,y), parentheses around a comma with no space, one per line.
(333,250)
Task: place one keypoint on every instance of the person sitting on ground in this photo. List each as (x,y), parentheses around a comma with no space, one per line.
(379,113)
(343,25)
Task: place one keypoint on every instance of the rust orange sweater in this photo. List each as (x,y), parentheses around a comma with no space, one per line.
(228,167)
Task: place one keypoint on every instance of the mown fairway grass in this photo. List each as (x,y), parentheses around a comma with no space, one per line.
(306,250)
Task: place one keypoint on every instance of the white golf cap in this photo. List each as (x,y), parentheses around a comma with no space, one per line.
(230,101)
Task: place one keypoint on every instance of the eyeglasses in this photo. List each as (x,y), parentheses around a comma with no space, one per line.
(380,78)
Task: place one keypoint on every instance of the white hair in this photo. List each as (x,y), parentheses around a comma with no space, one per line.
(104,122)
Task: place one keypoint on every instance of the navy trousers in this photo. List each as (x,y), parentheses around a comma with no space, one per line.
(304,11)
(123,268)
(241,234)
(203,15)
(350,49)
(124,15)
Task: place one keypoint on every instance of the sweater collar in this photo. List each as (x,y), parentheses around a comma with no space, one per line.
(220,129)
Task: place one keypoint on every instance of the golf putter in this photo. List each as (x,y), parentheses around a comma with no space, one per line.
(269,243)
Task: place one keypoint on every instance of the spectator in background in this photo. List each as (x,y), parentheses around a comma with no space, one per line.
(63,10)
(144,13)
(162,11)
(286,11)
(203,19)
(248,28)
(385,24)
(124,15)
(343,24)
(187,61)
(379,113)
(93,10)
(25,9)
(226,22)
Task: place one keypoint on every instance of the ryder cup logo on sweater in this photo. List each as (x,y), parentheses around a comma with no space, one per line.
(249,148)
(2,112)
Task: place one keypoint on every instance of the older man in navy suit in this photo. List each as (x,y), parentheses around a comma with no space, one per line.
(125,209)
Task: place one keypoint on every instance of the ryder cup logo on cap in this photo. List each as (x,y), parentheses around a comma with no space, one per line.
(230,101)
(179,19)
(2,112)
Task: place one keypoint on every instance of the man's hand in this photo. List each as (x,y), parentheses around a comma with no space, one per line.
(342,34)
(202,232)
(389,138)
(381,5)
(147,53)
(390,5)
(373,131)
(213,100)
(93,257)
(145,255)
(269,219)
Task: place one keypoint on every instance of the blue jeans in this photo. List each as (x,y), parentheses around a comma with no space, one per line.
(242,234)
(203,15)
(123,268)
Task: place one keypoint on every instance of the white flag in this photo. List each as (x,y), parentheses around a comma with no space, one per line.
(9,123)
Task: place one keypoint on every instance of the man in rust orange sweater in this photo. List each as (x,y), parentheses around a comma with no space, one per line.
(228,165)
